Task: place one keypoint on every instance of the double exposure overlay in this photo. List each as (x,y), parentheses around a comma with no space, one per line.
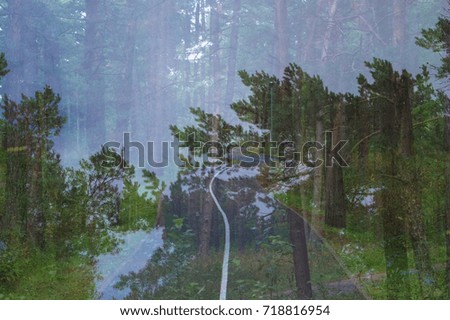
(212,149)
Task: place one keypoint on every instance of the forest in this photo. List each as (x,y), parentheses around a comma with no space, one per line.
(301,148)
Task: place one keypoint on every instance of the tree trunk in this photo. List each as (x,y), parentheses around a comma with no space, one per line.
(335,205)
(392,209)
(383,16)
(22,50)
(215,93)
(306,53)
(187,37)
(16,164)
(399,26)
(318,172)
(395,250)
(125,90)
(203,63)
(214,105)
(447,186)
(196,72)
(15,213)
(232,54)
(363,131)
(52,57)
(93,65)
(205,224)
(329,31)
(412,194)
(281,37)
(298,240)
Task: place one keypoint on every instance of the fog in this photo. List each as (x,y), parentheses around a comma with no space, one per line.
(137,66)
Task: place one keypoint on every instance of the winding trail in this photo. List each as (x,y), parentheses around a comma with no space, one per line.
(345,286)
(226,254)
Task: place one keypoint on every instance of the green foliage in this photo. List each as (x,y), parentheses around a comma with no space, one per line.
(3,65)
(9,268)
(41,275)
(286,108)
(29,127)
(94,194)
(438,40)
(35,120)
(209,128)
(153,184)
(137,211)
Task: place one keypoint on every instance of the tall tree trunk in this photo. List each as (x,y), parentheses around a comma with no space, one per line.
(187,37)
(399,26)
(93,65)
(281,37)
(203,64)
(24,180)
(15,213)
(126,93)
(305,52)
(383,17)
(205,223)
(318,172)
(447,186)
(214,106)
(393,220)
(364,127)
(37,217)
(15,165)
(392,209)
(335,206)
(395,250)
(326,50)
(232,54)
(329,31)
(22,51)
(215,93)
(51,57)
(412,195)
(196,72)
(298,240)
(14,48)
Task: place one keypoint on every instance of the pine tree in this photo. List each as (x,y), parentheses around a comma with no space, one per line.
(438,40)
(30,127)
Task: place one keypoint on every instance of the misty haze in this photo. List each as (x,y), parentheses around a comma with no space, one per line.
(212,149)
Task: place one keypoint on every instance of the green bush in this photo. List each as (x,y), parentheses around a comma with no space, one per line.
(9,268)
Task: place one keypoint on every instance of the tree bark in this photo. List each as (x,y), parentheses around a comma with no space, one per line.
(329,31)
(215,93)
(126,94)
(447,186)
(392,209)
(335,205)
(205,224)
(93,65)
(187,37)
(412,194)
(298,240)
(232,55)
(22,50)
(318,172)
(203,63)
(306,53)
(281,37)
(383,17)
(399,25)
